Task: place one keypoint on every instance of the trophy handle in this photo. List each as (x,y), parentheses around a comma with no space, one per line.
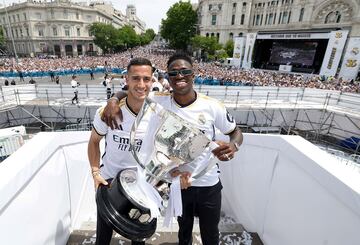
(147,103)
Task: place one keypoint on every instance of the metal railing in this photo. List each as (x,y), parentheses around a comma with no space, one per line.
(78,127)
(231,95)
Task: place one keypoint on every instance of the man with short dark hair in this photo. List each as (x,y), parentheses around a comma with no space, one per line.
(118,155)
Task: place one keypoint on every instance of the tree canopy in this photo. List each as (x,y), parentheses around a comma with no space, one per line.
(206,44)
(180,25)
(110,39)
(229,47)
(2,38)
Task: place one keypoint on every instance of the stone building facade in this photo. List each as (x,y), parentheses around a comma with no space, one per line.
(331,27)
(59,27)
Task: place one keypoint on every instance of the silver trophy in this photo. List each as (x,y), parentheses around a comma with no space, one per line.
(168,142)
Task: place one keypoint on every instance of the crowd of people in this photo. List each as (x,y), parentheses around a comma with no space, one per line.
(212,71)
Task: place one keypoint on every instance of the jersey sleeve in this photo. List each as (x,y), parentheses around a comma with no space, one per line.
(224,121)
(99,126)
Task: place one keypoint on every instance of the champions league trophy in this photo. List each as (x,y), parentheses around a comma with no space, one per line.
(130,202)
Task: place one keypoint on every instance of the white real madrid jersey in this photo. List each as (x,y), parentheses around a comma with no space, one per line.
(117,155)
(205,113)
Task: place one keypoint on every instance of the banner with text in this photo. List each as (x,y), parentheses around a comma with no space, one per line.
(239,44)
(351,63)
(333,52)
(249,47)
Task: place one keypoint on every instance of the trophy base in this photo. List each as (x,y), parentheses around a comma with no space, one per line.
(124,216)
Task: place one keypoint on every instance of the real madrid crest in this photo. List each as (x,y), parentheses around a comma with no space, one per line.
(338,35)
(202,119)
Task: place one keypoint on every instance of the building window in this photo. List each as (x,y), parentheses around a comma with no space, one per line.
(24,14)
(213,19)
(244,5)
(17,33)
(78,31)
(207,34)
(231,35)
(234,5)
(77,15)
(67,31)
(41,32)
(220,6)
(242,20)
(301,16)
(212,34)
(55,31)
(284,18)
(217,36)
(333,17)
(210,6)
(257,22)
(27,31)
(18,17)
(233,19)
(21,32)
(270,20)
(52,14)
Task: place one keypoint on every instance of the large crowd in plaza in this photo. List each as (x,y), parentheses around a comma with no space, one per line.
(210,71)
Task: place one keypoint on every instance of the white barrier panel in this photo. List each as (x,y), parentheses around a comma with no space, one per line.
(285,68)
(291,192)
(43,187)
(10,144)
(18,93)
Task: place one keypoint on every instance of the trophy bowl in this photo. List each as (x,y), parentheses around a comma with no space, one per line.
(127,216)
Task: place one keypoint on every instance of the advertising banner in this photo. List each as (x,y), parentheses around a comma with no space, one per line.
(239,45)
(249,47)
(333,52)
(350,65)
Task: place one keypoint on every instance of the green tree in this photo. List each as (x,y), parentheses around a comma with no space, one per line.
(2,37)
(180,25)
(129,37)
(105,36)
(206,44)
(229,47)
(147,37)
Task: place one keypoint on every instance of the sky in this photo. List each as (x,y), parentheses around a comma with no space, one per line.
(150,11)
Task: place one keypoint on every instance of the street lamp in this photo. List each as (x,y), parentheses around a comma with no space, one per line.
(11,33)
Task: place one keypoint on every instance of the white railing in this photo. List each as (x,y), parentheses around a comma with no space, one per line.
(10,144)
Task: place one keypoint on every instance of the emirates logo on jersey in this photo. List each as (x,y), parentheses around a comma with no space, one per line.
(124,143)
